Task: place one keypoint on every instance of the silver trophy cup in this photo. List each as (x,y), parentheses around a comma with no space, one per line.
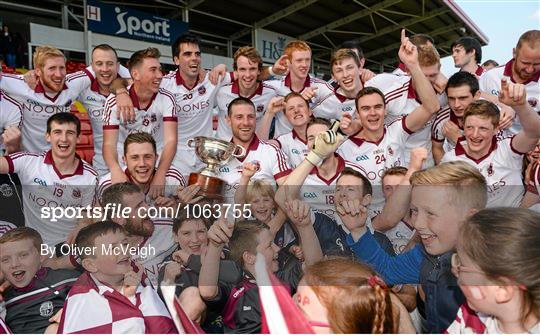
(214,153)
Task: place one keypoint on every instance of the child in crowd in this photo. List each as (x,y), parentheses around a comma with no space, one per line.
(36,293)
(182,268)
(259,195)
(498,271)
(239,303)
(442,198)
(342,296)
(111,296)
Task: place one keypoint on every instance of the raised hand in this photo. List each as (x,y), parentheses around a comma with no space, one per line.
(220,232)
(408,53)
(512,94)
(326,143)
(250,168)
(276,105)
(281,66)
(309,92)
(418,156)
(299,213)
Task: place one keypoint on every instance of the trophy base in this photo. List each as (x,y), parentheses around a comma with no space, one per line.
(211,187)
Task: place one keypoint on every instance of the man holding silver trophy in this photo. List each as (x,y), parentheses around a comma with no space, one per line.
(220,182)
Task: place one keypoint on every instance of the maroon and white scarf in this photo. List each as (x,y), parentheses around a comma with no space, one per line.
(94,307)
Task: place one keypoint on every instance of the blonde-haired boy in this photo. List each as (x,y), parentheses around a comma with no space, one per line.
(442,198)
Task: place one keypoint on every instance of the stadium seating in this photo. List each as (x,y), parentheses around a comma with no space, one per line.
(85,144)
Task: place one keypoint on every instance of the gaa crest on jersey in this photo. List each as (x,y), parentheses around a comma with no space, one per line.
(490,170)
(532,102)
(6,190)
(202,90)
(260,108)
(390,151)
(46,309)
(76,193)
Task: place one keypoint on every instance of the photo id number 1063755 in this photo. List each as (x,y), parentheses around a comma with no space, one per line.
(216,211)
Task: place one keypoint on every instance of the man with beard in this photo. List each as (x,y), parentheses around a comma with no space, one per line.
(53,93)
(524,69)
(154,235)
(155,113)
(270,160)
(140,158)
(247,66)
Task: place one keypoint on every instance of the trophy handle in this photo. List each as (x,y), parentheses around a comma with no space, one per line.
(242,151)
(191,141)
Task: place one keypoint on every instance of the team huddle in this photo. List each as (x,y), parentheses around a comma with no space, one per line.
(402,202)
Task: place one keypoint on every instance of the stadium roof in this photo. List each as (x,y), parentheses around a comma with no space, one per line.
(324,24)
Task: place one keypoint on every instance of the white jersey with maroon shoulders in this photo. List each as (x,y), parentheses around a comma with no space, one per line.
(194,111)
(10,115)
(150,119)
(173,179)
(375,157)
(283,87)
(156,247)
(293,147)
(501,167)
(231,91)
(401,99)
(437,135)
(333,106)
(94,103)
(37,106)
(271,160)
(479,71)
(319,192)
(43,186)
(490,82)
(446,115)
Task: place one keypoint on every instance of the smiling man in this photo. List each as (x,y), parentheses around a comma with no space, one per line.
(54,92)
(155,113)
(378,146)
(298,55)
(104,69)
(55,178)
(500,160)
(346,67)
(247,66)
(523,68)
(140,158)
(272,163)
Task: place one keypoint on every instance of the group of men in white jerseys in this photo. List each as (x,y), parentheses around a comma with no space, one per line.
(142,120)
